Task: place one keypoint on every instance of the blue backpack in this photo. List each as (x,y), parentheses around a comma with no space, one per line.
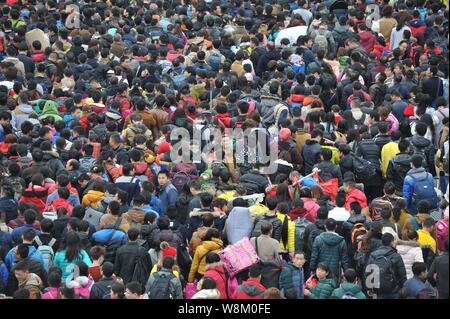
(424,190)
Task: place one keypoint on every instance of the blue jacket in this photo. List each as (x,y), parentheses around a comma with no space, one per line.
(6,240)
(417,287)
(73,199)
(167,195)
(10,260)
(292,277)
(408,185)
(4,274)
(239,224)
(17,233)
(9,206)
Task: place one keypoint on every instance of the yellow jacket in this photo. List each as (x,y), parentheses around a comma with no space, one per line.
(425,239)
(405,218)
(389,151)
(335,159)
(156,269)
(290,247)
(92,198)
(199,261)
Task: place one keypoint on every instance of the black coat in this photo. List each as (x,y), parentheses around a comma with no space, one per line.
(329,170)
(101,288)
(126,261)
(440,269)
(382,140)
(425,146)
(397,169)
(255,181)
(311,155)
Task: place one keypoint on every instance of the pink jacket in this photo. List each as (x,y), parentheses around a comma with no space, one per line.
(311,207)
(392,120)
(411,253)
(52,293)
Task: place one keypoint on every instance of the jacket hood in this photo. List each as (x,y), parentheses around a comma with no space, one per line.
(331,239)
(25,108)
(213,244)
(251,287)
(139,128)
(418,173)
(320,223)
(199,213)
(352,288)
(357,219)
(217,267)
(311,142)
(136,215)
(33,279)
(207,294)
(402,159)
(50,155)
(297,212)
(409,243)
(420,141)
(140,168)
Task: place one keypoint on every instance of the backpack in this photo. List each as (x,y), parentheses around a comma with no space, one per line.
(377,205)
(424,190)
(348,295)
(420,151)
(300,225)
(359,230)
(161,288)
(312,236)
(321,42)
(360,122)
(214,61)
(179,81)
(363,169)
(48,255)
(386,272)
(140,273)
(270,273)
(93,216)
(441,233)
(180,180)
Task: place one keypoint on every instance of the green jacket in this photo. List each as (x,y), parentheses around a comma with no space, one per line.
(50,109)
(323,290)
(350,288)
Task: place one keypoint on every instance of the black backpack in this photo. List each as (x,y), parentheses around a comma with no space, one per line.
(141,270)
(386,276)
(161,288)
(363,169)
(312,236)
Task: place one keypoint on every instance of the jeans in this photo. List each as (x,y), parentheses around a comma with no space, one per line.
(387,296)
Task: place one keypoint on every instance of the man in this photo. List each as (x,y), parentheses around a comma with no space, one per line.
(252,288)
(164,284)
(136,127)
(328,170)
(28,280)
(135,290)
(383,137)
(354,194)
(271,54)
(147,117)
(11,57)
(419,185)
(398,105)
(292,277)
(115,143)
(30,218)
(28,62)
(167,193)
(417,284)
(329,247)
(339,213)
(433,85)
(425,239)
(128,182)
(311,150)
(399,166)
(303,10)
(391,269)
(422,146)
(101,288)
(133,263)
(438,274)
(266,247)
(269,217)
(254,181)
(87,161)
(196,216)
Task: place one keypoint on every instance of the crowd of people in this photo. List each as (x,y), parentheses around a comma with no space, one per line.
(352,95)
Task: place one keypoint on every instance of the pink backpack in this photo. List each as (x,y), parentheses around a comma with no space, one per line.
(85,291)
(442,233)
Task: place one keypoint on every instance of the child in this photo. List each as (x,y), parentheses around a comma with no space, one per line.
(325,284)
(292,278)
(349,289)
(97,254)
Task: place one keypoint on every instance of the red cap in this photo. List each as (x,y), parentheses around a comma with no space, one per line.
(169,251)
(409,110)
(285,134)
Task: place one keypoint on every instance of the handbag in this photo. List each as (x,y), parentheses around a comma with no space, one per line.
(190,290)
(239,256)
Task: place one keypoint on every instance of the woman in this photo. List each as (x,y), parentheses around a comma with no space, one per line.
(283,195)
(287,242)
(211,243)
(67,258)
(117,291)
(325,284)
(401,216)
(35,193)
(54,283)
(387,116)
(410,251)
(214,269)
(207,289)
(369,243)
(309,203)
(94,195)
(397,33)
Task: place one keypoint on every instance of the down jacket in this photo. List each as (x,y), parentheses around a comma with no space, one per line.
(199,260)
(410,252)
(330,248)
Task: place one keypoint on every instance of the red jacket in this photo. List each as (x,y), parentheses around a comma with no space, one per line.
(225,119)
(301,212)
(250,289)
(367,40)
(71,189)
(217,273)
(59,203)
(38,56)
(36,195)
(355,195)
(141,168)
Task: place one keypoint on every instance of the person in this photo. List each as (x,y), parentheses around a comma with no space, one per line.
(438,273)
(292,277)
(416,284)
(418,185)
(251,288)
(399,166)
(70,255)
(27,239)
(211,243)
(101,289)
(30,218)
(111,237)
(353,193)
(270,217)
(328,170)
(117,291)
(167,193)
(349,289)
(410,251)
(311,151)
(207,289)
(266,247)
(164,284)
(393,277)
(329,248)
(135,290)
(310,234)
(325,284)
(28,280)
(339,213)
(132,261)
(215,270)
(425,237)
(54,282)
(97,255)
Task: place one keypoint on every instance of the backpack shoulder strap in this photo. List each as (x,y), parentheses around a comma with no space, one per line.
(38,241)
(52,242)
